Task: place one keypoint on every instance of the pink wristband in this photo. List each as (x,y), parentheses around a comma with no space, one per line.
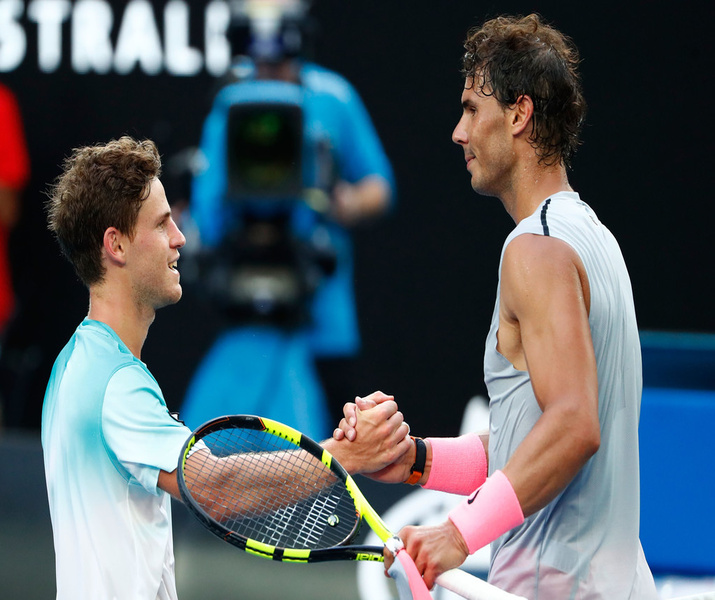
(491,511)
(459,465)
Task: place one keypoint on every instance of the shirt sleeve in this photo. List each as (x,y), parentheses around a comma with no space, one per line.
(138,429)
(360,149)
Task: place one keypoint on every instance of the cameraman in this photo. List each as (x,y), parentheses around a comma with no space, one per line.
(344,164)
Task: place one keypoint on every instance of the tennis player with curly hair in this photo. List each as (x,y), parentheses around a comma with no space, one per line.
(553,485)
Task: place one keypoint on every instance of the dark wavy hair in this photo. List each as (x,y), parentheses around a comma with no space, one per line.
(512,56)
(101,186)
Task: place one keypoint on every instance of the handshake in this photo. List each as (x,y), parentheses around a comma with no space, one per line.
(373,439)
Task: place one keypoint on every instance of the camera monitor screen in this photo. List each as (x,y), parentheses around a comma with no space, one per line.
(264,151)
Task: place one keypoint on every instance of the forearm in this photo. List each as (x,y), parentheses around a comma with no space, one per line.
(373,194)
(243,484)
(365,199)
(550,456)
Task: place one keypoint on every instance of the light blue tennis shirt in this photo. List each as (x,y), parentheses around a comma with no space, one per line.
(106,433)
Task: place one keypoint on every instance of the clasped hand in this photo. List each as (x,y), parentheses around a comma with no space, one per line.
(434,549)
(383,441)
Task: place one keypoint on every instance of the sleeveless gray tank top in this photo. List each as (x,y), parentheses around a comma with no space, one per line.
(585,543)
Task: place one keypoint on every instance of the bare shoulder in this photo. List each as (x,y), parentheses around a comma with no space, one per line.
(532,250)
(537,267)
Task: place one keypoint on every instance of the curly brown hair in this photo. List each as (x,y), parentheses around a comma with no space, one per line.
(512,56)
(101,186)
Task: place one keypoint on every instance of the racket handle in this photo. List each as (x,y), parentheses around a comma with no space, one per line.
(411,586)
(472,588)
(409,582)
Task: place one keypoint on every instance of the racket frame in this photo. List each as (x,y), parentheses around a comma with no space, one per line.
(343,551)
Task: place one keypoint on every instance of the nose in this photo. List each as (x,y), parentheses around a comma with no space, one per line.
(178,239)
(459,135)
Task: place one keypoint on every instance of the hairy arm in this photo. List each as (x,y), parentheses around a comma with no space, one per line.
(383,440)
(237,485)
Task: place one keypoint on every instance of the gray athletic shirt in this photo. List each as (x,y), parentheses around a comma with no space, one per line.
(584,544)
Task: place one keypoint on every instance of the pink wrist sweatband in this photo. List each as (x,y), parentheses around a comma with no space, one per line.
(459,464)
(489,512)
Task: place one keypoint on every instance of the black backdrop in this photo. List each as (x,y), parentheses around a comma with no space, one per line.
(426,275)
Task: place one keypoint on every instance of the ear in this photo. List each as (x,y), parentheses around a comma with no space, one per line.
(114,244)
(522,114)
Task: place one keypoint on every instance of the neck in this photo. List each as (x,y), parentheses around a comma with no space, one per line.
(531,187)
(287,70)
(129,321)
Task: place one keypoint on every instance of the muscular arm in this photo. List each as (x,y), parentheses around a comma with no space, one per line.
(544,328)
(544,307)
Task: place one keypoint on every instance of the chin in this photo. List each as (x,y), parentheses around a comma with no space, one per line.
(484,190)
(177,296)
(170,299)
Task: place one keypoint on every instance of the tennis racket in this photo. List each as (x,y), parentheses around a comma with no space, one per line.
(273,492)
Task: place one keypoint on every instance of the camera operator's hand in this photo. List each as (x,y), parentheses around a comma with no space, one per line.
(352,203)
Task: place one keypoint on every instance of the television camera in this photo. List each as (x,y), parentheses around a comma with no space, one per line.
(274,252)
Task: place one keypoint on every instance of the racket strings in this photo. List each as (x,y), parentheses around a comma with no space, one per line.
(267,489)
